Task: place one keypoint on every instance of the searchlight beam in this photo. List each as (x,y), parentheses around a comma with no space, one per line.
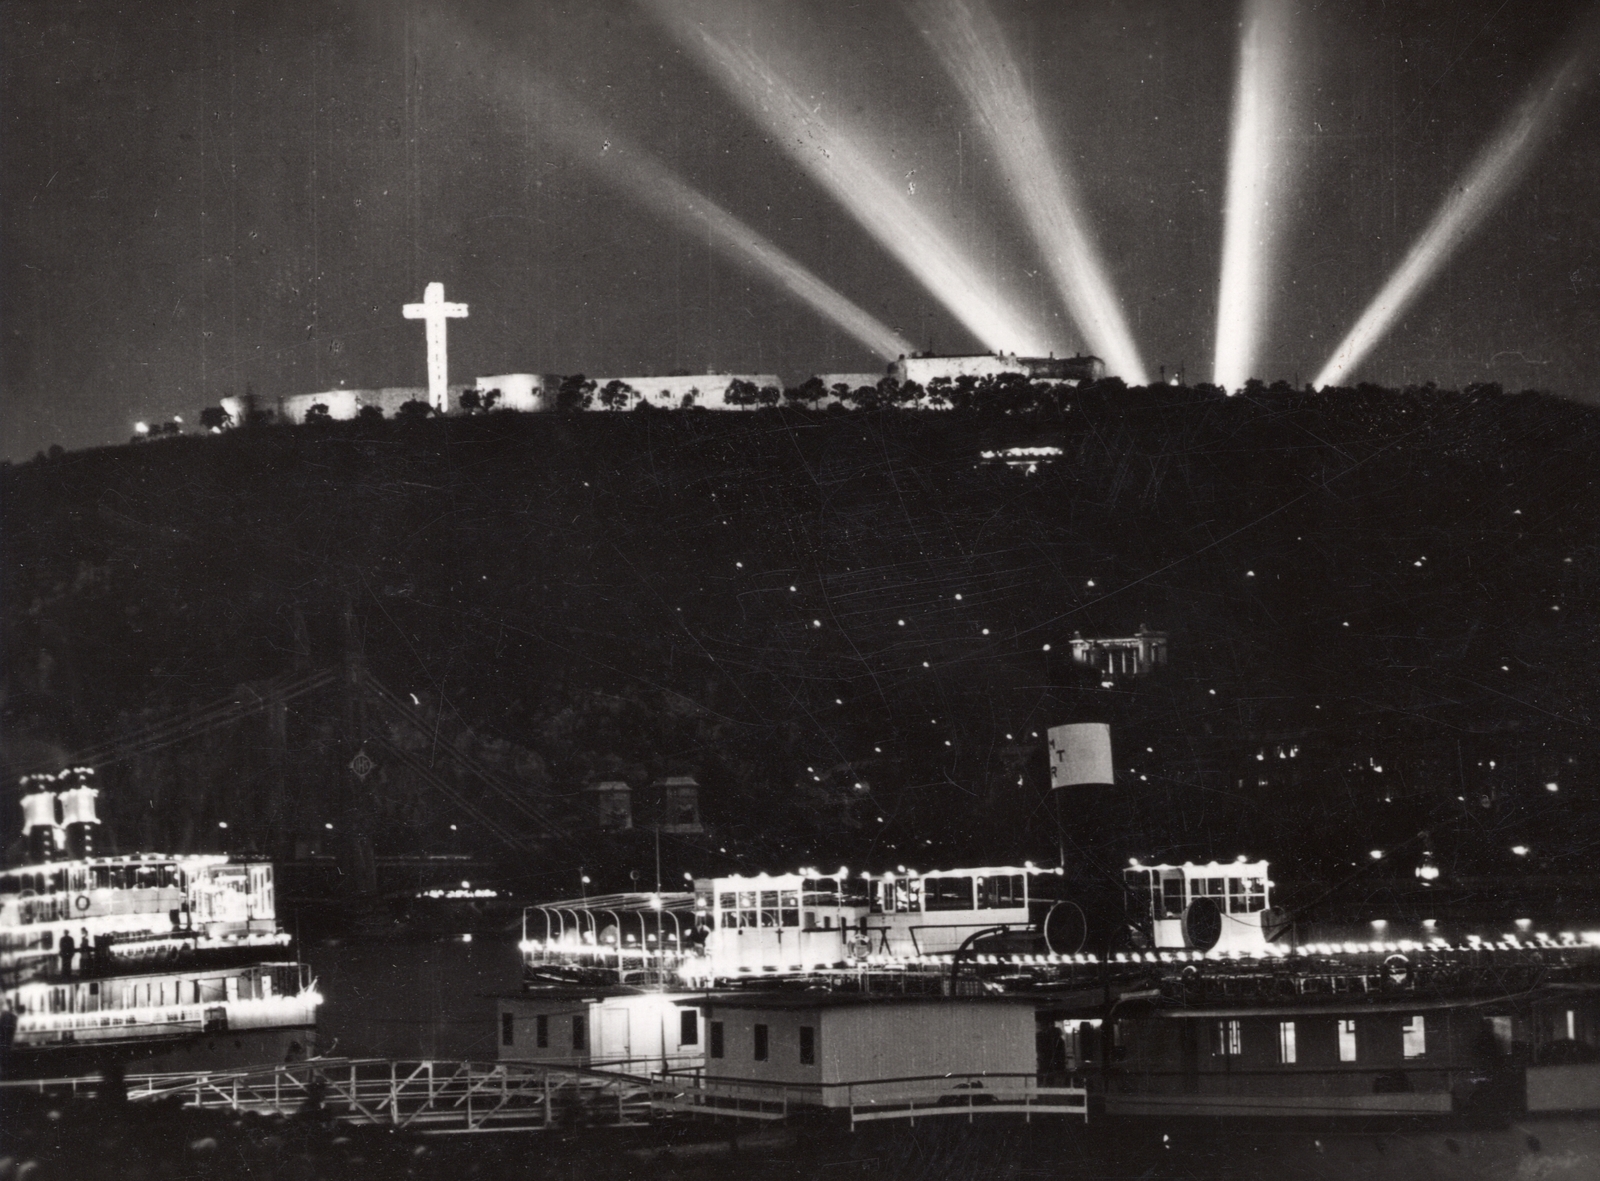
(973,48)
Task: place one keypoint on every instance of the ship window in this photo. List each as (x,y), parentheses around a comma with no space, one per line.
(769,900)
(1229,1040)
(877,895)
(10,884)
(688,1027)
(821,892)
(1347,1040)
(789,908)
(760,1043)
(947,894)
(811,920)
(1286,1042)
(716,1039)
(808,1045)
(729,900)
(580,1032)
(730,918)
(1237,901)
(1257,890)
(1414,1037)
(1001,892)
(508,1029)
(541,1031)
(1172,897)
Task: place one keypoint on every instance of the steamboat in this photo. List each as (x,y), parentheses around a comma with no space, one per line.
(174,962)
(1181,993)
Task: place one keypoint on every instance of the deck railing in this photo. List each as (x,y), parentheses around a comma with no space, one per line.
(867,1100)
(427,1095)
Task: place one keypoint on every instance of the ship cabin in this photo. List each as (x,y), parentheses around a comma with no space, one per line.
(162,1004)
(124,906)
(783,923)
(1219,906)
(808,922)
(912,915)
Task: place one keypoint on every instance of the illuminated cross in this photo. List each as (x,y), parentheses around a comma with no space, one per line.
(435,312)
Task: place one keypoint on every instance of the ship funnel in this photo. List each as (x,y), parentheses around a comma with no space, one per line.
(1080,754)
(39,825)
(79,819)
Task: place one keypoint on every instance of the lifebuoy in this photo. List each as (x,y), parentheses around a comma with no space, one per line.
(1396,971)
(83,902)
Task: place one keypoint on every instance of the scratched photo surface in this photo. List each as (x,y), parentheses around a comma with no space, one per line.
(657,587)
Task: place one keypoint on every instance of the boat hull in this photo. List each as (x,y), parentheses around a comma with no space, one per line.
(189,1053)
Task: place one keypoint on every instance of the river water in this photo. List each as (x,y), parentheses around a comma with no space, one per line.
(413,999)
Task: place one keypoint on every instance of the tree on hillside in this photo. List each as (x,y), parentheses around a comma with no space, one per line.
(215,418)
(617,394)
(576,392)
(413,411)
(809,391)
(318,412)
(471,401)
(370,414)
(741,393)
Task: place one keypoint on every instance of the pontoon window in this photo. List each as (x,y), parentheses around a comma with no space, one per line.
(1414,1038)
(1229,1040)
(1347,1039)
(1256,892)
(789,908)
(947,894)
(1286,1043)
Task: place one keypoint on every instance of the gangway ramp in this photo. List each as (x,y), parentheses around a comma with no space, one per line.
(424,1095)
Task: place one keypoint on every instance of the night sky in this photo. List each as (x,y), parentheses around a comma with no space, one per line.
(197,202)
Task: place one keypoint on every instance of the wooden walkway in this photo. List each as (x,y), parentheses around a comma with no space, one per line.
(425,1095)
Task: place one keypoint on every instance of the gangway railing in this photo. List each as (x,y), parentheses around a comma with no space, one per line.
(867,1100)
(426,1095)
